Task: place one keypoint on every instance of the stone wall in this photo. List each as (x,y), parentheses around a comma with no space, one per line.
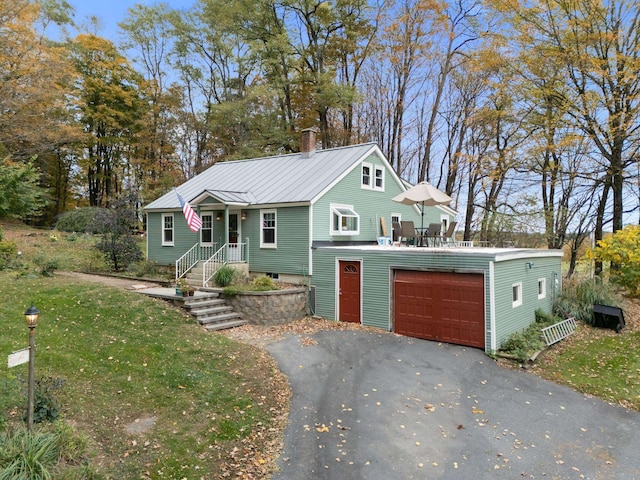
(273,307)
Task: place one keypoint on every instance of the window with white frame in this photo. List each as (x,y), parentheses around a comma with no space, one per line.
(395,219)
(268,236)
(516,294)
(366,175)
(378,178)
(542,288)
(167,229)
(344,220)
(206,231)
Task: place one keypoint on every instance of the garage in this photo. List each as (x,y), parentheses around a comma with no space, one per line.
(442,306)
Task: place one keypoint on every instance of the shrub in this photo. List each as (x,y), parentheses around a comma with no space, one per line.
(25,455)
(78,220)
(146,268)
(621,249)
(263,284)
(118,248)
(231,291)
(47,266)
(577,299)
(46,407)
(8,253)
(224,275)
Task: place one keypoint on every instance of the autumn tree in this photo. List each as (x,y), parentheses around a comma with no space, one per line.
(110,99)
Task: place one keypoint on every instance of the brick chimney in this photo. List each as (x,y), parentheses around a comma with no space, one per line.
(308,141)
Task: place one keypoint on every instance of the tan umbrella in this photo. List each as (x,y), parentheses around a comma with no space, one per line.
(425,194)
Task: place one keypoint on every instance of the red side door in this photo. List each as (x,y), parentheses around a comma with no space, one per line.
(349,291)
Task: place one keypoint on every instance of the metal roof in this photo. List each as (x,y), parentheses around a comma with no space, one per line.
(292,178)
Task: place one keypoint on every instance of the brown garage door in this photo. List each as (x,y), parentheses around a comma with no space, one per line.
(442,306)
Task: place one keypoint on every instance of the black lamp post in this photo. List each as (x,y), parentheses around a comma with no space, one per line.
(31,316)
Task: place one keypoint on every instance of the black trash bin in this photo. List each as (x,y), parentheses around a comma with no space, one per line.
(606,316)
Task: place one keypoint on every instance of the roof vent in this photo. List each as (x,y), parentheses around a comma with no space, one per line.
(308,141)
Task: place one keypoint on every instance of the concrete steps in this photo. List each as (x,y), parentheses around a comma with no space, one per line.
(211,311)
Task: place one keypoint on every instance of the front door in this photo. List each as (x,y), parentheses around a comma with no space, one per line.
(349,291)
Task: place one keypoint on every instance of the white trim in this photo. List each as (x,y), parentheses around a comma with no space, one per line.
(275,228)
(363,185)
(445,220)
(542,282)
(334,210)
(310,273)
(518,301)
(337,285)
(165,243)
(213,218)
(492,306)
(376,169)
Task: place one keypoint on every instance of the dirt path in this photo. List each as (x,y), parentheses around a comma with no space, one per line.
(118,282)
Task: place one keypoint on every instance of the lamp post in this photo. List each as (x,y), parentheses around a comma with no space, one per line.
(31,316)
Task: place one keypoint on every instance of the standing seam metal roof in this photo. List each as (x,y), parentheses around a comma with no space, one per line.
(292,178)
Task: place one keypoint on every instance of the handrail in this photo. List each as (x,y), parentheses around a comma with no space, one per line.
(228,253)
(187,261)
(212,265)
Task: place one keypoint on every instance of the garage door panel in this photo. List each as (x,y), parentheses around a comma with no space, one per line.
(442,306)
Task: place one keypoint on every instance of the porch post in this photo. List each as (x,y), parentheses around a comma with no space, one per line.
(226,233)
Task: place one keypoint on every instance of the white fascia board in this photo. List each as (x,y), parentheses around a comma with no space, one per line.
(528,253)
(347,171)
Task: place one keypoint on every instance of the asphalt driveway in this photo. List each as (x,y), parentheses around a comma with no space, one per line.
(379,406)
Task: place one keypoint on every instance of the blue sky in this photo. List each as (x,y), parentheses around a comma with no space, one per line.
(111,12)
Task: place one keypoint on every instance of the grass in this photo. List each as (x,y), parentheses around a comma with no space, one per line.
(121,357)
(603,364)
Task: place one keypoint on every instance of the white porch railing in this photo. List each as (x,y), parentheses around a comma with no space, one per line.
(195,254)
(228,253)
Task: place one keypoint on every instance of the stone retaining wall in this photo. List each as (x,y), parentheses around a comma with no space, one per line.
(273,307)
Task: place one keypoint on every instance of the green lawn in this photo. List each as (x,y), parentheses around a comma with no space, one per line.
(123,357)
(598,362)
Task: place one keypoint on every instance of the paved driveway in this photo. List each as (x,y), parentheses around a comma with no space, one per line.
(380,406)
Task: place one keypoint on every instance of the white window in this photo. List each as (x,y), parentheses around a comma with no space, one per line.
(395,220)
(167,229)
(206,231)
(344,220)
(542,288)
(366,175)
(516,294)
(268,236)
(378,178)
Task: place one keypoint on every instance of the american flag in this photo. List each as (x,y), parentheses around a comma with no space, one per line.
(193,220)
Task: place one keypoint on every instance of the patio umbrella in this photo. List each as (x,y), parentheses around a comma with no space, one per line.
(423,193)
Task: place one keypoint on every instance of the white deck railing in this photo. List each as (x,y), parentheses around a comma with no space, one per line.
(228,253)
(195,254)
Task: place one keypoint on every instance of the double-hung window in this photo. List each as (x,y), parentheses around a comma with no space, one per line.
(268,237)
(167,229)
(206,231)
(344,220)
(378,178)
(366,175)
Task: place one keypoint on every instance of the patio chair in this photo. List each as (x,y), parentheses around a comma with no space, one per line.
(409,232)
(396,234)
(434,234)
(447,237)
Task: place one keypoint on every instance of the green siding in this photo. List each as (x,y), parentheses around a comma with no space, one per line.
(183,238)
(515,319)
(377,283)
(370,205)
(292,239)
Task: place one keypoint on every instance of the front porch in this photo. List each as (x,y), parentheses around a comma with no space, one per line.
(201,262)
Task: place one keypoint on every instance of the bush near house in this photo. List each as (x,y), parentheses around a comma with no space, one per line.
(622,250)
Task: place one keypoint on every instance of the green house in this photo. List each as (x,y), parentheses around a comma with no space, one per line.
(268,215)
(324,218)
